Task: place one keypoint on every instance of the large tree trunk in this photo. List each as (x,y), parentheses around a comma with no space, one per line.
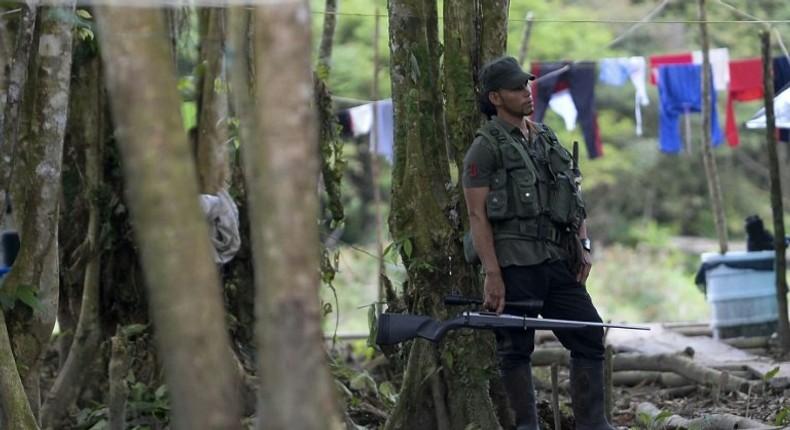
(35,192)
(463,44)
(212,104)
(88,127)
(282,172)
(426,218)
(13,401)
(186,305)
(17,79)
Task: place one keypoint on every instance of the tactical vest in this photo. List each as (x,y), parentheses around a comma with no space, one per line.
(520,203)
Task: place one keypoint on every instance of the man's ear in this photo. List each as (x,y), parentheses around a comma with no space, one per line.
(494,98)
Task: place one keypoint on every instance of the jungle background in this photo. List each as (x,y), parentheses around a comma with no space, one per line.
(649,213)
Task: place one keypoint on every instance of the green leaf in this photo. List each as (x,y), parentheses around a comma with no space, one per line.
(407,247)
(82,13)
(770,375)
(28,295)
(134,329)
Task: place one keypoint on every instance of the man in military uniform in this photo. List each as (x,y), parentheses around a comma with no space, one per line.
(526,212)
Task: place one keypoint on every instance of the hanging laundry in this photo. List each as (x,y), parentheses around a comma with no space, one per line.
(361,119)
(615,72)
(746,84)
(384,128)
(659,60)
(344,118)
(358,121)
(719,61)
(562,104)
(781,112)
(719,65)
(680,92)
(579,78)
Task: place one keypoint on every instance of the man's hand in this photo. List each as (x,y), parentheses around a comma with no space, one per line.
(494,291)
(581,277)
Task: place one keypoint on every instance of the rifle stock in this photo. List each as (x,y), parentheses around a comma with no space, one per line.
(396,328)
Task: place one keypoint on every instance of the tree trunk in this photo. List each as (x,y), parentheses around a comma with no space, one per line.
(16,409)
(711,171)
(35,191)
(17,80)
(186,305)
(89,134)
(7,38)
(327,40)
(212,159)
(777,208)
(426,220)
(493,28)
(282,172)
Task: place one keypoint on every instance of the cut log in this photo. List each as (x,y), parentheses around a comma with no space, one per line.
(706,422)
(632,378)
(680,364)
(685,367)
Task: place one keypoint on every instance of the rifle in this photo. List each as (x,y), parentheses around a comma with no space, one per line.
(396,328)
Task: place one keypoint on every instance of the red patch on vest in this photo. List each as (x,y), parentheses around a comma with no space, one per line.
(473,170)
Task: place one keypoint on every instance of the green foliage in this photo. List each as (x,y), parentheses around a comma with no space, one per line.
(351,72)
(145,408)
(648,283)
(771,374)
(783,416)
(25,294)
(647,422)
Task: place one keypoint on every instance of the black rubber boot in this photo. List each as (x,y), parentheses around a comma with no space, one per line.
(521,394)
(587,394)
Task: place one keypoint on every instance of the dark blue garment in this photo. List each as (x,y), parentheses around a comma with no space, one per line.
(580,78)
(680,92)
(781,78)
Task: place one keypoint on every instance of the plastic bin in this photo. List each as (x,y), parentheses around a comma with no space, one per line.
(741,290)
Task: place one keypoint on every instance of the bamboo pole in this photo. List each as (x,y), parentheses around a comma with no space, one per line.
(714,188)
(374,161)
(522,52)
(776,193)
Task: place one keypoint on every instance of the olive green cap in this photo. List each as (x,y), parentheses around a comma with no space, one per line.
(503,72)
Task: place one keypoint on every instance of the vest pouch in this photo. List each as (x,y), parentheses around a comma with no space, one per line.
(560,159)
(496,200)
(496,205)
(565,203)
(525,193)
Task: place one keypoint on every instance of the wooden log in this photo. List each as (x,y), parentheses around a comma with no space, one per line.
(674,392)
(681,364)
(706,422)
(633,378)
(685,367)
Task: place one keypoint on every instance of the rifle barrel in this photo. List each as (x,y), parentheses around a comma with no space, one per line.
(396,328)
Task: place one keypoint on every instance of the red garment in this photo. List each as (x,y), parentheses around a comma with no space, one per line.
(746,84)
(658,60)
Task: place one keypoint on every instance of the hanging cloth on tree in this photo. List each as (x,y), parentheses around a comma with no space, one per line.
(223,218)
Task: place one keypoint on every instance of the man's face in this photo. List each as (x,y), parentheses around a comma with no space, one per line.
(516,102)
